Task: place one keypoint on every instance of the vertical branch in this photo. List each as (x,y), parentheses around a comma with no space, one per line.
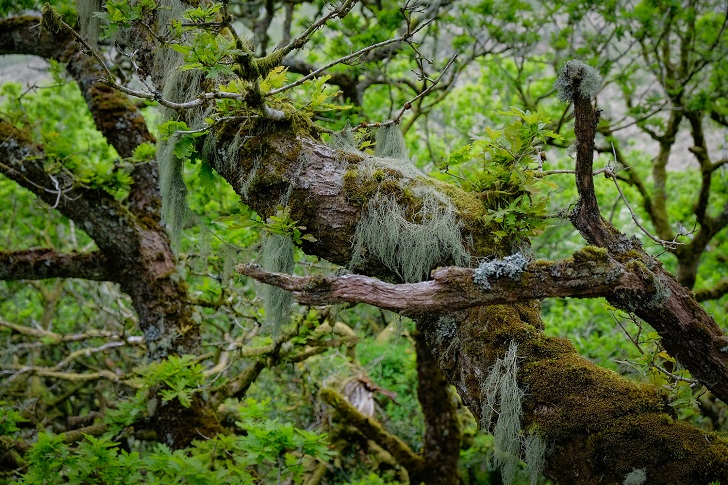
(441,448)
(578,83)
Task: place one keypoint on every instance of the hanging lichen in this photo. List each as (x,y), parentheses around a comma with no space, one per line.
(410,237)
(410,249)
(89,24)
(534,456)
(175,211)
(502,401)
(276,254)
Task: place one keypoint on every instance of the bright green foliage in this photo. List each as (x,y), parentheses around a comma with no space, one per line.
(57,117)
(181,378)
(208,52)
(283,225)
(501,167)
(9,418)
(280,447)
(270,450)
(121,13)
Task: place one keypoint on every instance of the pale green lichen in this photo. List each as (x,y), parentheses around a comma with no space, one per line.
(89,24)
(637,476)
(589,81)
(276,254)
(510,266)
(407,225)
(534,456)
(502,401)
(445,329)
(175,212)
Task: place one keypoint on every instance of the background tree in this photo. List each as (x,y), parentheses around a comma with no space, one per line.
(246,111)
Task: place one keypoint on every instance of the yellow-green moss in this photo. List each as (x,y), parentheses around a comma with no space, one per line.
(591,253)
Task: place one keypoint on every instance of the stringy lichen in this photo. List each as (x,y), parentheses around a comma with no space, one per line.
(502,400)
(534,456)
(409,238)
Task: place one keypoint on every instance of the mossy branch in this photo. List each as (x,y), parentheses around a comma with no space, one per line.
(373,431)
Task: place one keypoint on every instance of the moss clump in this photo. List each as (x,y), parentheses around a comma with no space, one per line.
(591,253)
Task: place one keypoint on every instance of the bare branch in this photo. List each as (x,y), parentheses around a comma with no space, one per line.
(341,60)
(587,275)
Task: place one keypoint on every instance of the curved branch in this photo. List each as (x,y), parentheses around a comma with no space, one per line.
(688,332)
(373,431)
(713,293)
(115,116)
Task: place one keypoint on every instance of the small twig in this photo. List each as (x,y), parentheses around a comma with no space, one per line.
(408,105)
(610,174)
(341,60)
(299,41)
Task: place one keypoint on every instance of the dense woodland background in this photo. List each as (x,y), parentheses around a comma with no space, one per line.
(167,142)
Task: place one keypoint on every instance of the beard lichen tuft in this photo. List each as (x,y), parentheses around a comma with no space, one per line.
(407,225)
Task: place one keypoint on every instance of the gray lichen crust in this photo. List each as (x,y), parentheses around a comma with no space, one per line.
(511,266)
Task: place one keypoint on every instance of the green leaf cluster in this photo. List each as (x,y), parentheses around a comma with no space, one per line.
(57,117)
(282,224)
(500,167)
(122,13)
(180,376)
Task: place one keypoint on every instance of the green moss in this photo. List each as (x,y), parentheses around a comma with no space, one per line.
(591,253)
(52,21)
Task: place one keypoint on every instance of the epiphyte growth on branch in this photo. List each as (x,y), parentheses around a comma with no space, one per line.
(409,244)
(589,81)
(511,266)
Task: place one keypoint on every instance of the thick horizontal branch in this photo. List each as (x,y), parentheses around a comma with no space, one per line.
(588,275)
(37,264)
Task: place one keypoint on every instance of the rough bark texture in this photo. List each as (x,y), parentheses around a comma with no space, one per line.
(589,273)
(598,426)
(441,447)
(688,332)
